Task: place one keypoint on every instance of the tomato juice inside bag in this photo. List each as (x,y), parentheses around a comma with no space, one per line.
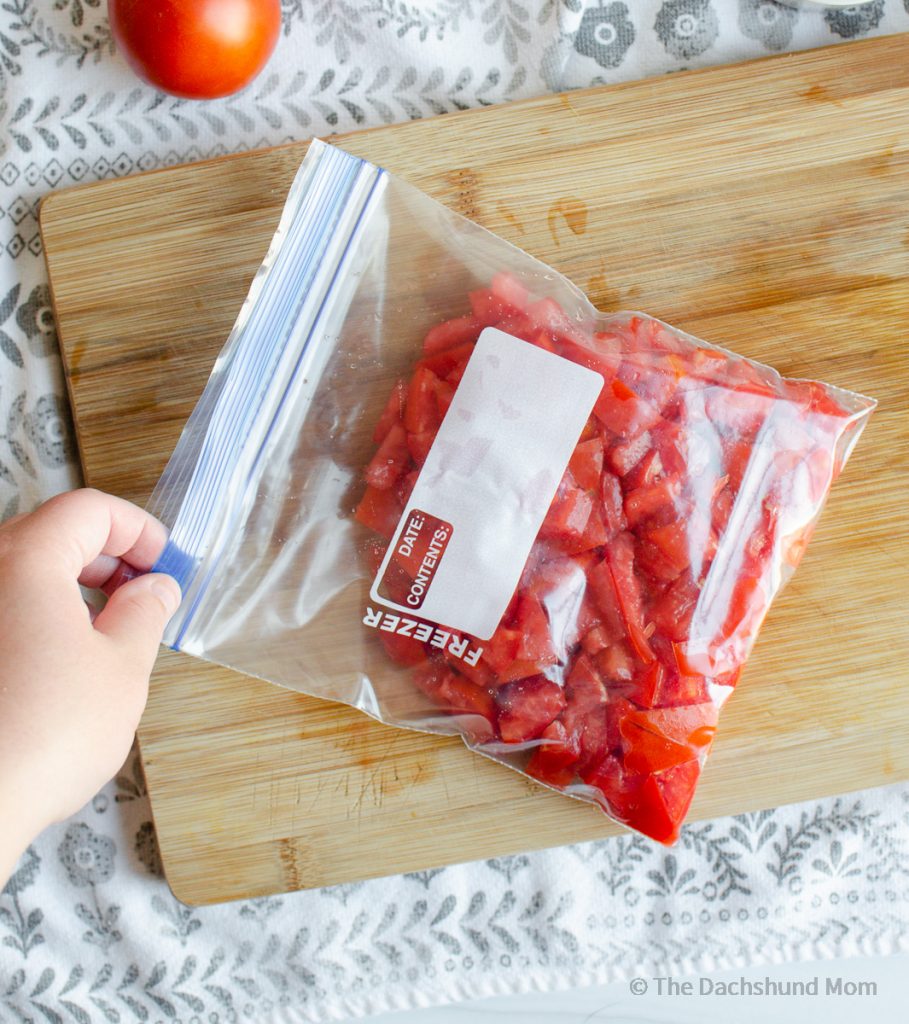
(427,478)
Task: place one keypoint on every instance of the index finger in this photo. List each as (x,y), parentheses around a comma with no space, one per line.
(81,525)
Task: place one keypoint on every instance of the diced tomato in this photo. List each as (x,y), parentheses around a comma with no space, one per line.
(444,395)
(510,290)
(421,414)
(587,728)
(536,643)
(652,499)
(548,315)
(616,663)
(527,707)
(489,308)
(738,411)
(672,611)
(391,461)
(584,687)
(405,485)
(652,378)
(613,504)
(392,413)
(680,690)
(674,542)
(586,464)
(619,789)
(518,326)
(723,503)
(596,640)
(446,362)
(621,410)
(380,510)
(676,788)
(554,760)
(647,685)
(501,649)
(653,564)
(661,738)
(419,444)
(645,472)
(403,650)
(594,535)
(451,334)
(480,674)
(568,514)
(374,554)
(626,454)
(594,357)
(458,695)
(543,340)
(620,559)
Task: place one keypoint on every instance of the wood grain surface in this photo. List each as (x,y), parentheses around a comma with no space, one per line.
(763,206)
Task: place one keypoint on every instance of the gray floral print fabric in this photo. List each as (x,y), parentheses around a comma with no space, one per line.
(89,931)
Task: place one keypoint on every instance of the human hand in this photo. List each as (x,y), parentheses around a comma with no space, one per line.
(72,689)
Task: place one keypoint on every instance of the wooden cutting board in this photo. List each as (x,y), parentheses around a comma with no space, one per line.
(764,206)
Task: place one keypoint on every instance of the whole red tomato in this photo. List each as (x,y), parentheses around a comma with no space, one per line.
(199,49)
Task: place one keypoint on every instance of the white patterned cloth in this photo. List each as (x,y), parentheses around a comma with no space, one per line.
(89,931)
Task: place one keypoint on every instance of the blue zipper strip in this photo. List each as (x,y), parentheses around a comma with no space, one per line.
(258,351)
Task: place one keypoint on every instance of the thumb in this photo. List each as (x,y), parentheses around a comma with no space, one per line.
(136,614)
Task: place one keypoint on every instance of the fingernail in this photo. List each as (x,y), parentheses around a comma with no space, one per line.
(168,592)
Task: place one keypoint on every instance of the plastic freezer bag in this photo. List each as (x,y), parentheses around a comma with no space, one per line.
(428,479)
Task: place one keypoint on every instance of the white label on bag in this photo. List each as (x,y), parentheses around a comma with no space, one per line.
(487,484)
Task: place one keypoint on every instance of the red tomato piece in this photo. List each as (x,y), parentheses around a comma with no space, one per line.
(676,787)
(501,649)
(619,789)
(621,410)
(651,499)
(620,559)
(391,461)
(586,464)
(392,413)
(480,674)
(451,334)
(489,308)
(626,454)
(380,510)
(419,444)
(527,707)
(674,542)
(403,650)
(510,290)
(421,413)
(554,760)
(462,697)
(518,326)
(597,358)
(672,611)
(536,644)
(448,362)
(568,514)
(647,685)
(616,663)
(613,504)
(584,688)
(548,315)
(405,485)
(596,640)
(657,739)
